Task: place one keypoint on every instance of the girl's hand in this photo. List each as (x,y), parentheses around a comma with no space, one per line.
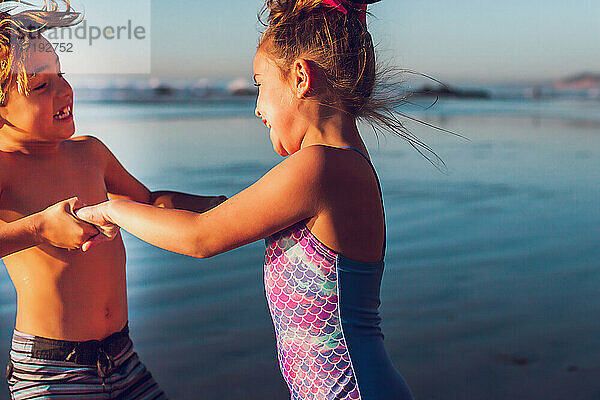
(98,215)
(58,226)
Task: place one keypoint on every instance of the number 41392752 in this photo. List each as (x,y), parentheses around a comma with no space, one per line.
(59,47)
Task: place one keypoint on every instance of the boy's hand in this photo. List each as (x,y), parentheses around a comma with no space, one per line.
(97,216)
(184,201)
(59,227)
(215,201)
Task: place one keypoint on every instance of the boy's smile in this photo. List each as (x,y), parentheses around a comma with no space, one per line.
(64,114)
(44,117)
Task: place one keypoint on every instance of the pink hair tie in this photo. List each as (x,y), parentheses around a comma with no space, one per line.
(337,5)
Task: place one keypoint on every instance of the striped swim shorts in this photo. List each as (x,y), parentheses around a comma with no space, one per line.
(41,368)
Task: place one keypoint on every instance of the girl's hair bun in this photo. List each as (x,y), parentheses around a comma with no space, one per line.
(340,46)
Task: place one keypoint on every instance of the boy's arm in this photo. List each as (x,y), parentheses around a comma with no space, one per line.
(120,184)
(19,235)
(184,201)
(56,225)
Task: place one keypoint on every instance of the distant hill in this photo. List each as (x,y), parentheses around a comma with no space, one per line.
(447,91)
(585,80)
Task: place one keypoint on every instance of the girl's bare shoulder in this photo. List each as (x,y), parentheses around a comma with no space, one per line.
(309,163)
(336,164)
(324,161)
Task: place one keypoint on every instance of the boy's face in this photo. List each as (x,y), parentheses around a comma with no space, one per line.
(45,115)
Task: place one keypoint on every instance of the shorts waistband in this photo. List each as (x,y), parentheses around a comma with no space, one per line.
(100,353)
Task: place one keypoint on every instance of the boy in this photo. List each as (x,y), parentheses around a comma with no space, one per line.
(71,336)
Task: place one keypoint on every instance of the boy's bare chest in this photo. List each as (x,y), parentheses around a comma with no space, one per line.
(30,187)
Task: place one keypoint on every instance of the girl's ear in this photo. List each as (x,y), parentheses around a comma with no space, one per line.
(302,77)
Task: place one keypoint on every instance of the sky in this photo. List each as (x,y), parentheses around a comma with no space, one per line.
(460,41)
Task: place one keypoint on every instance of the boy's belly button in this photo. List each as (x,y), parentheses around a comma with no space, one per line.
(112,312)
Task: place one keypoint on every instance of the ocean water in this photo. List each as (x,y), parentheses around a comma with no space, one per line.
(492,269)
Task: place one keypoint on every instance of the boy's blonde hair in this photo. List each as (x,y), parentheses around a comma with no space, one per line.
(17,29)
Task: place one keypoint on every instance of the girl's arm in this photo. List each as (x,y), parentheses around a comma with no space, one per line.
(290,192)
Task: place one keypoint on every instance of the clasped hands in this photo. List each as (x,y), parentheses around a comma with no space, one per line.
(70,224)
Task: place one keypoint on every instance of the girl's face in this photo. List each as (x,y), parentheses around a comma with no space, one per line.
(45,115)
(277,106)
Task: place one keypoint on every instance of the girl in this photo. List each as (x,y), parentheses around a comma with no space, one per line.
(320,209)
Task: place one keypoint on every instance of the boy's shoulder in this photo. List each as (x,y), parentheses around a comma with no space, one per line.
(3,171)
(86,140)
(88,145)
(4,167)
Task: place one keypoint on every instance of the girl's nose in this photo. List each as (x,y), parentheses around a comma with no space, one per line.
(256,112)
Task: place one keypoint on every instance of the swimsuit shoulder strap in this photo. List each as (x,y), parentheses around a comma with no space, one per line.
(378,186)
(370,163)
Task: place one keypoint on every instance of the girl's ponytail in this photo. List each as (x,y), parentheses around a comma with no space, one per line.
(333,35)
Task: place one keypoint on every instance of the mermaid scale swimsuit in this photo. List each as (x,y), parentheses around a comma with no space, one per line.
(325,313)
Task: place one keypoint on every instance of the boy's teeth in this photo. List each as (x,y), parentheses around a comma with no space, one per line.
(64,113)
